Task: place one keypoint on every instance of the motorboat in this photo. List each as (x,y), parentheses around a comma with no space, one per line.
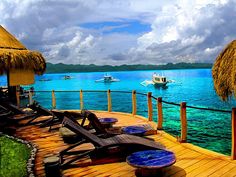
(158,80)
(107,78)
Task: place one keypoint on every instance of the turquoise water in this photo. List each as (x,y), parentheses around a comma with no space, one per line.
(208,129)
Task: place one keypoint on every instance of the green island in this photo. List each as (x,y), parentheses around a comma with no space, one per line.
(13,157)
(60,67)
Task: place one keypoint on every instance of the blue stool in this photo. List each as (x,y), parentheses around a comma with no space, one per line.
(150,162)
(134,130)
(108,122)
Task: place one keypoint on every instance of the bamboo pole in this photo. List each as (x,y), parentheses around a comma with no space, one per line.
(160,114)
(134,103)
(18,98)
(149,97)
(81,100)
(53,100)
(109,106)
(183,117)
(233,148)
(30,97)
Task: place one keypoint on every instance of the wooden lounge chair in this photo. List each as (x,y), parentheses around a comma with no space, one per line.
(17,114)
(4,114)
(119,146)
(107,132)
(56,116)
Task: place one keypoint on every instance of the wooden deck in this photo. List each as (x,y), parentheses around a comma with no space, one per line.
(191,160)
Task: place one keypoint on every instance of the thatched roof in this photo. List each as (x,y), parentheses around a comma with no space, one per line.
(224,72)
(14,55)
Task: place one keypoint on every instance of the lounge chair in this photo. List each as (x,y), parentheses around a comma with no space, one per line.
(4,114)
(17,114)
(107,132)
(119,146)
(56,116)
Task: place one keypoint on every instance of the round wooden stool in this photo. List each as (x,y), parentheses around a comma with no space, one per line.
(52,166)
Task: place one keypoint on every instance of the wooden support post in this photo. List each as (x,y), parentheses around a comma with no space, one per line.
(81,100)
(53,100)
(109,106)
(183,117)
(30,97)
(233,149)
(134,103)
(160,114)
(149,97)
(18,98)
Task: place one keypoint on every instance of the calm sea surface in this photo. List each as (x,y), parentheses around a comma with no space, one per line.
(208,129)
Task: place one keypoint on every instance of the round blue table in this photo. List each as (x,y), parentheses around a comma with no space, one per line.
(150,162)
(108,121)
(134,130)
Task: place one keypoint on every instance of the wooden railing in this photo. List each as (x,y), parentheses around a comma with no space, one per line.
(183,107)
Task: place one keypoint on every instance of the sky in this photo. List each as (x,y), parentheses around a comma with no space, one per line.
(116,32)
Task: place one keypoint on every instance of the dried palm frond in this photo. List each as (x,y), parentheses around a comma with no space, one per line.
(224,72)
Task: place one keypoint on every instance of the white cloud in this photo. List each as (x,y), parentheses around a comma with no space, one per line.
(181,30)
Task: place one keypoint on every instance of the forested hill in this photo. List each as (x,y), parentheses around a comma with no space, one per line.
(64,68)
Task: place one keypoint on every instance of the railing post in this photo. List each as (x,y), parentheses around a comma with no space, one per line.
(81,99)
(30,97)
(18,98)
(109,106)
(183,117)
(134,103)
(149,97)
(160,115)
(233,148)
(53,100)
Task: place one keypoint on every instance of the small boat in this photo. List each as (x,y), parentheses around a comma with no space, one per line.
(107,78)
(158,80)
(66,77)
(44,79)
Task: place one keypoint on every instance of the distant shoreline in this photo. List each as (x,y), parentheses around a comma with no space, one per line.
(64,68)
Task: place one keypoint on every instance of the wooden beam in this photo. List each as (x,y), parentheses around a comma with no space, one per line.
(134,103)
(233,149)
(109,105)
(81,99)
(30,97)
(53,100)
(18,97)
(160,114)
(183,118)
(149,97)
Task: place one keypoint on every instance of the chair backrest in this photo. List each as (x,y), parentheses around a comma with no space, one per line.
(58,114)
(96,124)
(75,127)
(12,108)
(41,110)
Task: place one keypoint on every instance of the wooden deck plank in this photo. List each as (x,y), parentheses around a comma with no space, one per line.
(190,161)
(210,163)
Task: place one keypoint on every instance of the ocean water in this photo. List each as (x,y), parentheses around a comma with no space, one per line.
(208,129)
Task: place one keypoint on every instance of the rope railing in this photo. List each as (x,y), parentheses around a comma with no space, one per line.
(138,93)
(183,106)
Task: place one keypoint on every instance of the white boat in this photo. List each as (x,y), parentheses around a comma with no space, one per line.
(158,80)
(107,78)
